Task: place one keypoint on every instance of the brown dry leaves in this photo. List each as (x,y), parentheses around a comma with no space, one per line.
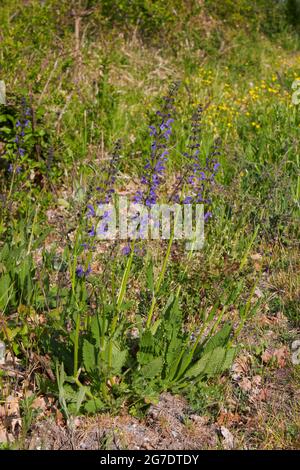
(279,355)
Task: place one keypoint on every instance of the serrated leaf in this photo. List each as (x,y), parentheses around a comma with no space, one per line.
(153,368)
(92,406)
(207,364)
(229,358)
(147,342)
(89,356)
(187,358)
(219,339)
(212,363)
(144,357)
(118,359)
(95,330)
(24,270)
(215,364)
(173,357)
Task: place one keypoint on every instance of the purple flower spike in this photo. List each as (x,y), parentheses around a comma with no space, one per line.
(92,232)
(126,250)
(155,167)
(81,273)
(153,131)
(91,211)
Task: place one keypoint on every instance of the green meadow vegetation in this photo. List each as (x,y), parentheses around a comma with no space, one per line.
(93,326)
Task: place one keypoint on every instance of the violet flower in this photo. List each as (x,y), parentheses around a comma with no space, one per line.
(198,177)
(155,166)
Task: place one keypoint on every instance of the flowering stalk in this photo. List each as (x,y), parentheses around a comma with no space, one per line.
(102,195)
(197,178)
(155,165)
(21,124)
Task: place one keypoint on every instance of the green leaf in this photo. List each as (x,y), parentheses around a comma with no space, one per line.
(95,330)
(24,271)
(63,203)
(89,356)
(147,342)
(5,283)
(80,398)
(215,363)
(92,406)
(153,368)
(118,359)
(212,363)
(219,339)
(186,360)
(229,358)
(174,354)
(144,357)
(199,367)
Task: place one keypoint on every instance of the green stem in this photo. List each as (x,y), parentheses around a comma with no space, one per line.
(76,344)
(126,273)
(244,259)
(79,384)
(159,281)
(32,229)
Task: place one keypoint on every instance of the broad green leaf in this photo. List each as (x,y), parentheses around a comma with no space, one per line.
(63,203)
(153,368)
(118,359)
(215,363)
(95,330)
(144,357)
(219,339)
(230,354)
(89,356)
(212,363)
(92,406)
(209,364)
(147,342)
